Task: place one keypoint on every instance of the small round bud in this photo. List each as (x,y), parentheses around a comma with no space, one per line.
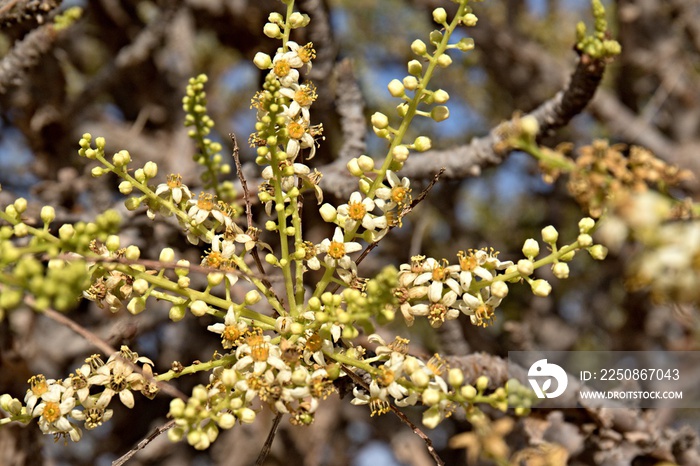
(455,377)
(440,15)
(48,214)
(150,169)
(499,290)
(262,61)
(598,252)
(298,20)
(199,308)
(430,397)
(364,186)
(541,288)
(132,253)
(422,144)
(183,282)
(177,313)
(167,255)
(550,235)
(66,232)
(214,278)
(97,172)
(440,96)
(270,225)
(396,88)
(444,61)
(531,248)
(468,392)
(525,267)
(584,240)
(353,167)
(586,224)
(246,415)
(366,163)
(140,175)
(400,153)
(379,120)
(529,126)
(20,205)
(272,30)
(140,286)
(112,243)
(440,113)
(419,48)
(226,420)
(560,270)
(410,83)
(21,230)
(252,297)
(568,257)
(271,259)
(415,68)
(410,365)
(328,212)
(465,44)
(136,305)
(482,383)
(132,203)
(125,188)
(469,19)
(402,109)
(420,379)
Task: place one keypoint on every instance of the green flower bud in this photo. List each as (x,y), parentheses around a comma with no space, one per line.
(444,61)
(440,15)
(132,253)
(183,282)
(598,252)
(245,415)
(541,288)
(419,48)
(140,286)
(140,175)
(199,308)
(482,383)
(177,312)
(226,420)
(262,61)
(586,224)
(66,232)
(531,248)
(252,297)
(400,153)
(468,392)
(440,96)
(20,205)
(440,113)
(525,267)
(431,397)
(410,83)
(455,377)
(132,203)
(420,379)
(97,172)
(136,305)
(422,144)
(272,30)
(415,68)
(167,255)
(366,163)
(469,20)
(150,169)
(379,120)
(125,188)
(396,88)
(499,289)
(550,235)
(354,167)
(465,44)
(21,230)
(560,270)
(584,240)
(529,126)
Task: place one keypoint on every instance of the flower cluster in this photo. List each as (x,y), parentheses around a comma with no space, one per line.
(56,403)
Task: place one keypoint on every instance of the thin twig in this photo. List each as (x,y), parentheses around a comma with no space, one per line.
(404,211)
(142,444)
(268,442)
(249,214)
(101,345)
(416,430)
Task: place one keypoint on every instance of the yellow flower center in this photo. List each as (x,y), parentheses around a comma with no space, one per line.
(484,315)
(259,349)
(282,68)
(51,412)
(356,210)
(205,201)
(386,376)
(467,261)
(38,385)
(305,96)
(440,272)
(399,194)
(436,314)
(307,53)
(336,250)
(231,333)
(174,181)
(296,130)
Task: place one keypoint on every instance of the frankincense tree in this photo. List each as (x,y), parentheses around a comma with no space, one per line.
(296,317)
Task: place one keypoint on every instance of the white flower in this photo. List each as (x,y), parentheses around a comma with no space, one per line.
(174,189)
(358,211)
(397,194)
(231,330)
(52,411)
(94,412)
(260,353)
(337,251)
(205,206)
